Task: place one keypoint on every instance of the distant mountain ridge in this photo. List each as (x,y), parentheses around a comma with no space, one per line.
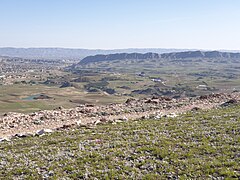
(119,56)
(78,54)
(175,55)
(73,54)
(200,54)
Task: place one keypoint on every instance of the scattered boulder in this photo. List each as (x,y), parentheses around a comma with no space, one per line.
(118,121)
(230,102)
(159,116)
(144,117)
(154,97)
(171,115)
(129,100)
(20,135)
(194,109)
(81,147)
(4,139)
(97,122)
(124,119)
(67,126)
(104,120)
(203,97)
(151,101)
(79,123)
(90,105)
(43,131)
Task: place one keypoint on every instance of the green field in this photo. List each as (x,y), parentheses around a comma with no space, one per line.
(12,98)
(200,145)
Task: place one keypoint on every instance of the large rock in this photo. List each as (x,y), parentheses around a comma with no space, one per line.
(230,102)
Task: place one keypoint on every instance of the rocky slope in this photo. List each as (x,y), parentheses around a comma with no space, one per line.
(195,145)
(17,124)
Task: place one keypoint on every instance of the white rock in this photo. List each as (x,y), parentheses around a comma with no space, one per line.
(79,122)
(97,122)
(172,115)
(118,121)
(4,139)
(43,131)
(159,115)
(81,147)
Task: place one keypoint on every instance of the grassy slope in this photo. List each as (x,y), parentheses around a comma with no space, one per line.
(194,145)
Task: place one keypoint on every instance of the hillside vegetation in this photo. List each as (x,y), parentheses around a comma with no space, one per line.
(195,145)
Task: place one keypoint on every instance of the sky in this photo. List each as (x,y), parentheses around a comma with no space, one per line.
(116,24)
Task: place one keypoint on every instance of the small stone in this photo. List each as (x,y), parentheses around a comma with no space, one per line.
(4,140)
(50,173)
(20,135)
(43,131)
(66,126)
(89,105)
(118,121)
(103,120)
(195,109)
(81,147)
(79,122)
(97,122)
(172,115)
(129,100)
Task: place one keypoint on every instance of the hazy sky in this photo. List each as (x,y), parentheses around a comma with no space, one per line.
(111,24)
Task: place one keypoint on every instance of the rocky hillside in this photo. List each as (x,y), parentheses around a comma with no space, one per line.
(175,55)
(18,124)
(198,144)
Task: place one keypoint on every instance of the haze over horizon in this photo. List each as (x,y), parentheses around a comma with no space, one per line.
(207,25)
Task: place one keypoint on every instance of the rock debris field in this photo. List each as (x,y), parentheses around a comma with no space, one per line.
(47,121)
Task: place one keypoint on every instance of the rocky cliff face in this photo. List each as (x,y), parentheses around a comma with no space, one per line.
(119,56)
(177,55)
